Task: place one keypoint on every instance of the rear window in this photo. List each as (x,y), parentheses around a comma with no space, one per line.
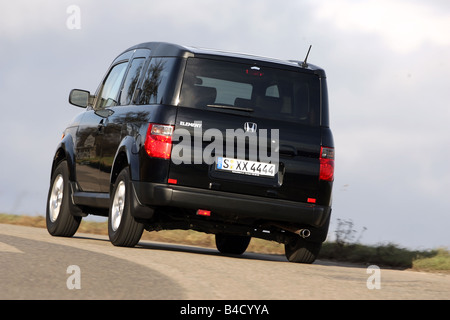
(262,91)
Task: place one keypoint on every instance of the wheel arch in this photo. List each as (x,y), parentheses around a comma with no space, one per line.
(125,157)
(65,151)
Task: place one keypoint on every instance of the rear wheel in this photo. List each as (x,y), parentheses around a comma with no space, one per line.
(232,244)
(59,218)
(302,251)
(123,229)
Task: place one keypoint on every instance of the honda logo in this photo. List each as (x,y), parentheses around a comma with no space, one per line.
(250,127)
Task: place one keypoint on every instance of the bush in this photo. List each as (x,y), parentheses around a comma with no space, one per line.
(439,261)
(385,255)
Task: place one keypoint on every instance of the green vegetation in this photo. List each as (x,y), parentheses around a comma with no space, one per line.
(389,255)
(439,261)
(344,249)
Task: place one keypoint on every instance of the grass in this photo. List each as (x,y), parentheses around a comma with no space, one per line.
(388,255)
(440,261)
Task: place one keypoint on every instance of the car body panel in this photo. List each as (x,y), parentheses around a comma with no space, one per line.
(111,134)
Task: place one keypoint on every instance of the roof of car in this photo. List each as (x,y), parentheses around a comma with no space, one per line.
(164,49)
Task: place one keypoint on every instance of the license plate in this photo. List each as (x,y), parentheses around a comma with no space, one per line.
(253,168)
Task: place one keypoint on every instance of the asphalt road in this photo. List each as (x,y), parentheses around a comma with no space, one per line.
(35,265)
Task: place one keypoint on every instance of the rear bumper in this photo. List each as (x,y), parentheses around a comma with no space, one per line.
(226,203)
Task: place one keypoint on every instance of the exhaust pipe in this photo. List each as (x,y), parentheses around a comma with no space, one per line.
(304,233)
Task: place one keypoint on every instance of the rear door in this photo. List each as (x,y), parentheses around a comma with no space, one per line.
(248,128)
(90,135)
(122,119)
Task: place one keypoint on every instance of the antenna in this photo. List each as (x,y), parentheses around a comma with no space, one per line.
(305,64)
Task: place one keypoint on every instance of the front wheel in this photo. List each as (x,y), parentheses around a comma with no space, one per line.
(302,251)
(123,229)
(59,218)
(232,244)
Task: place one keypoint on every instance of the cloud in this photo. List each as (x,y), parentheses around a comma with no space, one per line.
(403,25)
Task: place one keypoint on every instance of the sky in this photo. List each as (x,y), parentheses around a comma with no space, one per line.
(387,64)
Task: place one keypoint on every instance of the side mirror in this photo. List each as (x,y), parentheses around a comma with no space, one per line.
(79,98)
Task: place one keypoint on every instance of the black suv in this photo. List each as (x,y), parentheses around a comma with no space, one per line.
(185,138)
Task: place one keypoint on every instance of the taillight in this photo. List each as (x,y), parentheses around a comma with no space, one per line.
(326,164)
(158,142)
(202,212)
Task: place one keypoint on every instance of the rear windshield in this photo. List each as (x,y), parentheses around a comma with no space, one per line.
(262,91)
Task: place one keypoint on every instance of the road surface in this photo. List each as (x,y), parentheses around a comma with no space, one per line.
(35,265)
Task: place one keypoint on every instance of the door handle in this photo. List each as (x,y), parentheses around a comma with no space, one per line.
(101,126)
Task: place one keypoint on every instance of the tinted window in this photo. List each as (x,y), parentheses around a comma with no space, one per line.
(157,82)
(265,92)
(131,81)
(110,88)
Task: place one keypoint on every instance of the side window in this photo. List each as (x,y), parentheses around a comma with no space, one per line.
(110,88)
(131,81)
(157,80)
(272,91)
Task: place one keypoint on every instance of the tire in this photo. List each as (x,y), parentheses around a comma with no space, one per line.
(123,229)
(302,251)
(59,218)
(231,244)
